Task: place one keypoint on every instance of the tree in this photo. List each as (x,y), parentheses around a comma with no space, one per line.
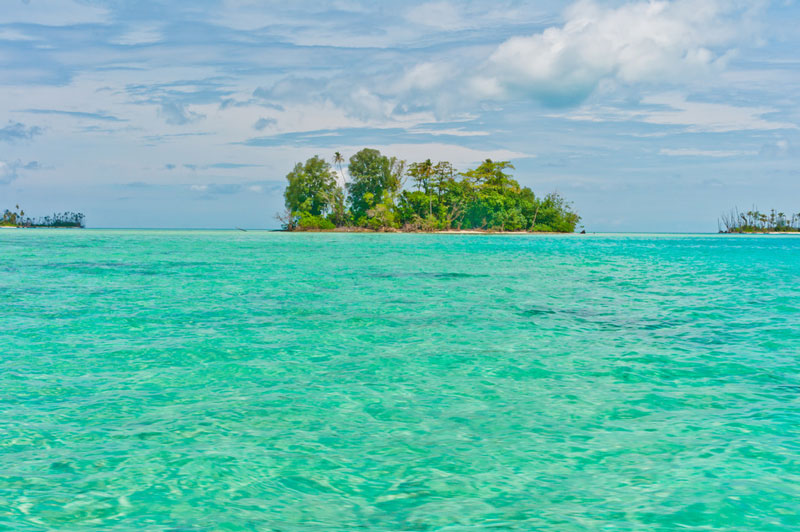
(312,187)
(338,160)
(443,175)
(372,176)
(420,174)
(490,174)
(397,171)
(338,215)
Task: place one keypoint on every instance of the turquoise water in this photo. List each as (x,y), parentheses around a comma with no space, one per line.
(198,381)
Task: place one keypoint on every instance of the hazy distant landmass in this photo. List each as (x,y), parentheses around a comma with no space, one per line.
(754,221)
(18,218)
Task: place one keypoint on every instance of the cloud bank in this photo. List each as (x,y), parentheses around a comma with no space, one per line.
(639,42)
(642,44)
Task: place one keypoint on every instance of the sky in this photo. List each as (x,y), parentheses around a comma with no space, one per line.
(646,115)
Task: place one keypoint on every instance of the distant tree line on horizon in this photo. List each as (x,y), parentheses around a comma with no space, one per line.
(440,198)
(17,218)
(754,221)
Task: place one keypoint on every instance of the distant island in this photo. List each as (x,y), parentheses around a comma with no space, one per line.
(754,221)
(374,198)
(17,218)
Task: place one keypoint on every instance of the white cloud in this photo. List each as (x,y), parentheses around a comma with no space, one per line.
(450,132)
(441,15)
(51,12)
(309,23)
(691,152)
(7,34)
(654,41)
(671,109)
(362,24)
(444,15)
(425,76)
(8,172)
(140,36)
(312,116)
(460,156)
(709,117)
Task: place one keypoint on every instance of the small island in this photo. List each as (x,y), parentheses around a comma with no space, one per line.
(374,198)
(17,218)
(754,221)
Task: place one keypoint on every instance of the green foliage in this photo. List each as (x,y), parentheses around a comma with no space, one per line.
(9,220)
(422,175)
(486,197)
(754,221)
(339,216)
(381,215)
(425,224)
(17,218)
(307,221)
(371,175)
(555,215)
(12,218)
(415,204)
(312,188)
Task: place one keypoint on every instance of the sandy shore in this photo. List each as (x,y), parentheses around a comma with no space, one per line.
(447,232)
(478,232)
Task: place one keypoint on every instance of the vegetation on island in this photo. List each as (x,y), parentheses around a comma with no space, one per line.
(754,221)
(17,218)
(439,198)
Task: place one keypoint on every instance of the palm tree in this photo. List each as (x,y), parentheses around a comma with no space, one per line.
(338,160)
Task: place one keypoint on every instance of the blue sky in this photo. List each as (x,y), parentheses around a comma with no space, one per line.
(649,116)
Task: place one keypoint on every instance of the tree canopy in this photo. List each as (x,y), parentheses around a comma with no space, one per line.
(483,198)
(17,218)
(371,177)
(311,188)
(755,221)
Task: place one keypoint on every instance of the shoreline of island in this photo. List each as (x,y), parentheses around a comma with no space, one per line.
(365,230)
(362,230)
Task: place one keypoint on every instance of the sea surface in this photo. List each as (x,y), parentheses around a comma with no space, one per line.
(213,380)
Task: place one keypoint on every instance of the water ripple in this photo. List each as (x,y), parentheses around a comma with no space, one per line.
(200,381)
